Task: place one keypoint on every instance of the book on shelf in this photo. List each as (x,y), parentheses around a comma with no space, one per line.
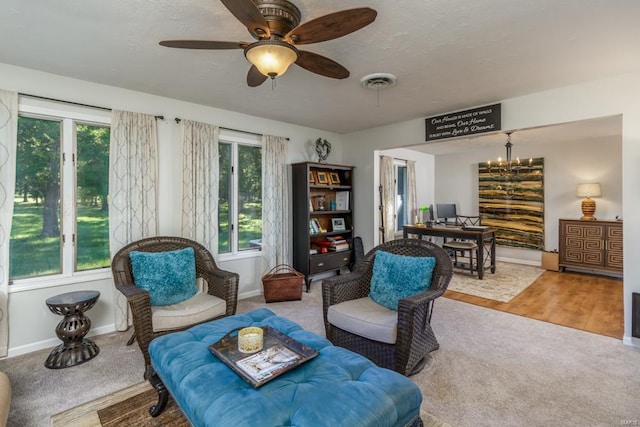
(339,248)
(314,226)
(342,200)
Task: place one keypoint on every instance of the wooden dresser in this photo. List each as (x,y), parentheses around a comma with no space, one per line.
(591,245)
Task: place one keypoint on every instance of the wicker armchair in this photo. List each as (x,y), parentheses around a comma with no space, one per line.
(415,338)
(220,283)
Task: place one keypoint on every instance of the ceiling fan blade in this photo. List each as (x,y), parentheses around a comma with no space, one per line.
(321,65)
(247,13)
(331,26)
(255,77)
(203,44)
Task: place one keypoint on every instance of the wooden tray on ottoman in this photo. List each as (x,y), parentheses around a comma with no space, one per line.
(282,283)
(280,353)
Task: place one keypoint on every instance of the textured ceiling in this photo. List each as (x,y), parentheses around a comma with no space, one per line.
(446,54)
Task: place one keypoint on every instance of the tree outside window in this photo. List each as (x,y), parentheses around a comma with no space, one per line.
(240,197)
(60,220)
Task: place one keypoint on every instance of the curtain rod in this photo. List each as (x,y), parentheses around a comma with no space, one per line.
(75,103)
(178,120)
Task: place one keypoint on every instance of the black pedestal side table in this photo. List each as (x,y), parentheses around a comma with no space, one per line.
(75,348)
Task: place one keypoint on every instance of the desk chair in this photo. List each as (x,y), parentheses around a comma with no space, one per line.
(460,247)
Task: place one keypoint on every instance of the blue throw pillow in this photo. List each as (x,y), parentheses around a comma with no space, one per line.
(169,277)
(399,276)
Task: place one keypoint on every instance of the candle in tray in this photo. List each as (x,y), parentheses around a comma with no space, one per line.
(250,339)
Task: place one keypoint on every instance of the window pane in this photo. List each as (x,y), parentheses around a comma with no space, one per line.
(250,197)
(224,196)
(35,246)
(401,198)
(92,209)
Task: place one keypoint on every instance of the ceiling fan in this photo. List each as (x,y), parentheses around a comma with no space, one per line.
(274,23)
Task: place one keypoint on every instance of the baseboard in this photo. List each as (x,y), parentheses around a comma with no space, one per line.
(53,342)
(249,294)
(631,342)
(519,261)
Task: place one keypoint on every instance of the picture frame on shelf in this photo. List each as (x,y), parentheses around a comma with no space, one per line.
(342,200)
(312,177)
(334,178)
(322,178)
(338,224)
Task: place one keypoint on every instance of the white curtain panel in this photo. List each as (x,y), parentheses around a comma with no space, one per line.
(412,198)
(388,194)
(275,202)
(200,183)
(133,183)
(8,138)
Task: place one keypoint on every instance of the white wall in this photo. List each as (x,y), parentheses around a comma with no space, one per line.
(565,165)
(602,98)
(31,325)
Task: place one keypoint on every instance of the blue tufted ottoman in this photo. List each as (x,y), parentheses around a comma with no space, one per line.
(336,388)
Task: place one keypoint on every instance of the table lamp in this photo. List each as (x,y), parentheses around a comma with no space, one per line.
(588,205)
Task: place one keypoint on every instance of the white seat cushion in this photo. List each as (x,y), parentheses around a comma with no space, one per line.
(460,245)
(366,318)
(197,309)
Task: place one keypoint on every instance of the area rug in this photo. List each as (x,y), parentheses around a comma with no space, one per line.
(127,407)
(130,407)
(508,281)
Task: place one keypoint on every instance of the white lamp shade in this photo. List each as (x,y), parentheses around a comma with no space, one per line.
(271,57)
(589,190)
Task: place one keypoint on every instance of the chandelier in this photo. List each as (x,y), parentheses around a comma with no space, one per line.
(508,167)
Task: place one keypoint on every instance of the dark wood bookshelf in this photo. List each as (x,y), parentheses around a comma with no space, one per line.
(308,196)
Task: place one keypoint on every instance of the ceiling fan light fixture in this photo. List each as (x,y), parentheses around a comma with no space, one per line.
(271,57)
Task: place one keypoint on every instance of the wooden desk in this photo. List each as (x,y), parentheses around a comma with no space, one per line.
(482,238)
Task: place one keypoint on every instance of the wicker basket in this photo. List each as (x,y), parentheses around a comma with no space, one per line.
(282,283)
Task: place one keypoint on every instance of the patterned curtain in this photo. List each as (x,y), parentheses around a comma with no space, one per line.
(388,194)
(200,183)
(8,138)
(412,198)
(275,202)
(133,185)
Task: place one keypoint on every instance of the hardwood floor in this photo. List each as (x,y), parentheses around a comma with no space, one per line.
(582,301)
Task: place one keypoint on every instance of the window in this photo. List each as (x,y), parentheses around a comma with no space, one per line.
(60,220)
(240,194)
(402,216)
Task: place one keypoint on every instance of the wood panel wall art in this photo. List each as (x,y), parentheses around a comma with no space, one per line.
(513,202)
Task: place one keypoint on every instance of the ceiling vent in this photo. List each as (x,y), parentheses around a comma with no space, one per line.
(378,81)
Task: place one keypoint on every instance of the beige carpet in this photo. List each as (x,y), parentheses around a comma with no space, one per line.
(492,369)
(507,282)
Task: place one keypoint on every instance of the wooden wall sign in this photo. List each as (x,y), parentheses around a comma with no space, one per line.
(462,123)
